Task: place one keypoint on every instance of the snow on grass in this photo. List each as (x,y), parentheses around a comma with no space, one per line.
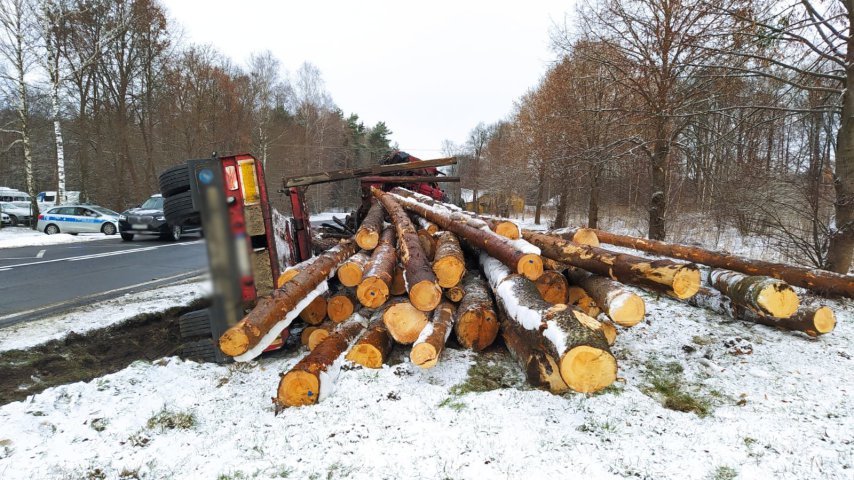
(782,411)
(11,237)
(102,314)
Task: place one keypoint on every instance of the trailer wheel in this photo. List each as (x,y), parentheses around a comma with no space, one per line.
(195,324)
(178,209)
(174,180)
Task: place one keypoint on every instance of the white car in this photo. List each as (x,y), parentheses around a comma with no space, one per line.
(79,219)
(5,220)
(17,213)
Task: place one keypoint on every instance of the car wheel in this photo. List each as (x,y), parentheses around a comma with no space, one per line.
(127,236)
(108,229)
(51,229)
(13,220)
(174,234)
(174,180)
(195,324)
(178,209)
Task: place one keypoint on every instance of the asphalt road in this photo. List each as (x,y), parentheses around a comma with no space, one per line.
(36,282)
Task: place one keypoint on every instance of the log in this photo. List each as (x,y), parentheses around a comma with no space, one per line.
(820,281)
(273,313)
(764,295)
(368,234)
(306,333)
(518,256)
(579,235)
(610,332)
(477,324)
(455,293)
(404,321)
(549,264)
(424,224)
(573,338)
(319,334)
(431,341)
(315,312)
(341,304)
(622,306)
(350,272)
(398,284)
(373,347)
(449,265)
(502,226)
(813,320)
(674,278)
(313,378)
(526,347)
(422,286)
(552,286)
(428,243)
(579,298)
(292,271)
(712,300)
(373,290)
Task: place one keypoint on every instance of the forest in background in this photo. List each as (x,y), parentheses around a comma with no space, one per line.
(724,113)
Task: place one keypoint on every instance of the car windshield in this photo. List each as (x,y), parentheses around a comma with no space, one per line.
(104,211)
(153,203)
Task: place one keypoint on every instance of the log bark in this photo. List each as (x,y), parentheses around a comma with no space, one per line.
(341,304)
(517,256)
(763,295)
(292,271)
(553,287)
(712,300)
(398,283)
(430,343)
(526,347)
(449,265)
(620,305)
(404,321)
(428,244)
(579,235)
(368,234)
(424,291)
(819,281)
(373,347)
(269,311)
(315,312)
(575,339)
(350,272)
(373,290)
(313,378)
(477,324)
(674,278)
(579,298)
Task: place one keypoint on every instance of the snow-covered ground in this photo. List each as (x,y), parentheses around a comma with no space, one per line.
(11,237)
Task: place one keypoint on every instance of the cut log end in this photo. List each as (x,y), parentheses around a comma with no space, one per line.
(587,369)
(476,329)
(586,236)
(449,271)
(306,333)
(824,320)
(298,388)
(425,295)
(779,300)
(552,286)
(367,239)
(455,294)
(507,229)
(530,266)
(350,274)
(424,355)
(686,282)
(626,309)
(372,292)
(404,322)
(366,355)
(339,308)
(317,336)
(314,312)
(234,342)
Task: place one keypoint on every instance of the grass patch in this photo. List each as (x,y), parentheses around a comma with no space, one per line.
(168,420)
(667,383)
(452,403)
(490,371)
(725,473)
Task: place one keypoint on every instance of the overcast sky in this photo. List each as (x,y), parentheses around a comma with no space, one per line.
(431,70)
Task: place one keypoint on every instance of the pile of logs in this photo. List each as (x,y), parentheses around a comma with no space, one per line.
(418,272)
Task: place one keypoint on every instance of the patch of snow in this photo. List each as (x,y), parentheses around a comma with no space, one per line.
(525,246)
(425,333)
(12,237)
(102,314)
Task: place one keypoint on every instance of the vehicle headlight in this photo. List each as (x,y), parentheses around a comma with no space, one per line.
(160,218)
(123,217)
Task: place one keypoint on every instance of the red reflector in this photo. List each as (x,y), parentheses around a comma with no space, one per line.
(41,216)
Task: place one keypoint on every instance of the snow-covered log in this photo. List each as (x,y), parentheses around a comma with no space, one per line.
(679,279)
(573,338)
(274,313)
(313,378)
(373,290)
(620,305)
(368,234)
(430,343)
(526,347)
(579,235)
(763,295)
(477,325)
(351,271)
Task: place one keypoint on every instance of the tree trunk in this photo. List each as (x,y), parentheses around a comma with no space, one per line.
(341,304)
(763,295)
(527,263)
(426,350)
(593,200)
(373,290)
(313,378)
(350,272)
(526,347)
(841,250)
(424,290)
(60,150)
(552,286)
(449,265)
(276,310)
(673,278)
(574,339)
(541,183)
(812,279)
(373,347)
(404,321)
(658,196)
(622,306)
(368,235)
(477,324)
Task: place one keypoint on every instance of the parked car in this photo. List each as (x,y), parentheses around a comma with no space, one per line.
(148,219)
(17,214)
(15,196)
(5,219)
(49,197)
(79,219)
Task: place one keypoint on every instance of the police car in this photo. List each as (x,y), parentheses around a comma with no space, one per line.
(79,219)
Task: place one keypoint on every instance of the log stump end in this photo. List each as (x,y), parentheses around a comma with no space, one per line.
(627,309)
(425,295)
(588,369)
(686,282)
(372,292)
(530,266)
(298,388)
